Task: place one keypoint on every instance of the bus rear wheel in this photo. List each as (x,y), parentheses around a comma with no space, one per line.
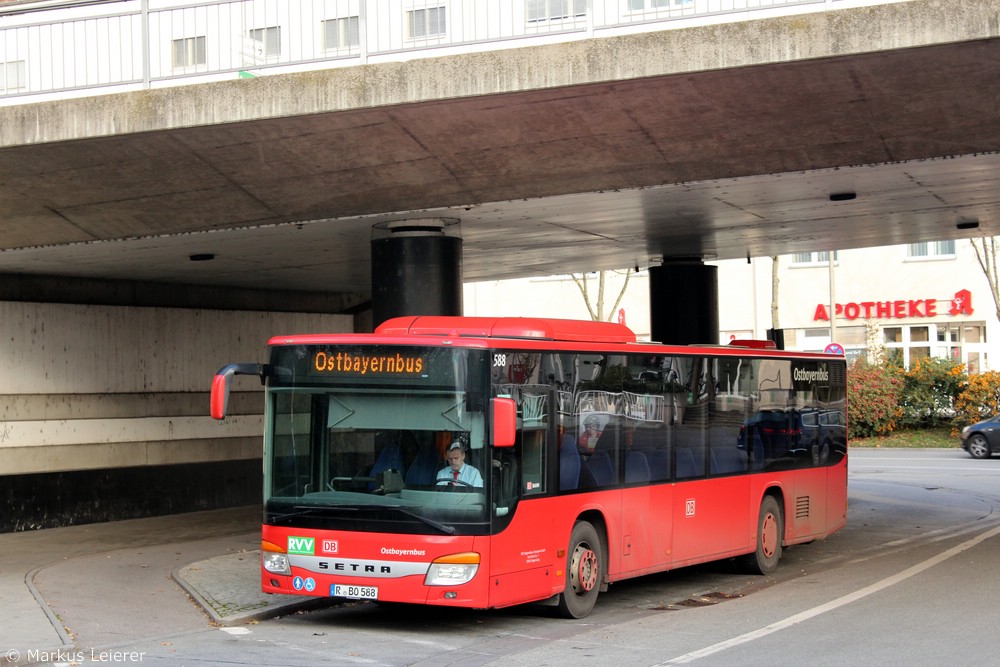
(770,530)
(584,572)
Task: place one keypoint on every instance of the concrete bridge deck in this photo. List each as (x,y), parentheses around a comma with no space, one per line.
(716,141)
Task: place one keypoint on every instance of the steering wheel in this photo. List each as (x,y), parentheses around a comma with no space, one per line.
(451,484)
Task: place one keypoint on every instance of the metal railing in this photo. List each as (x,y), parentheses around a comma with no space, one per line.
(101,46)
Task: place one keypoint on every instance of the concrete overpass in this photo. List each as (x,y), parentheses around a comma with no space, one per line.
(718,141)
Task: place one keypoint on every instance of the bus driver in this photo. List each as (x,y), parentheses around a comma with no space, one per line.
(457,472)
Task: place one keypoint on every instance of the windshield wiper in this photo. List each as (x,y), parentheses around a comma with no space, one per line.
(301,510)
(444,528)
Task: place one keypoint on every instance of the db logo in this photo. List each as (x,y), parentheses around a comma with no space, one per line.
(330,546)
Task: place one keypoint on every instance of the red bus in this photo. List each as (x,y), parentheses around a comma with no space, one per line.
(583,458)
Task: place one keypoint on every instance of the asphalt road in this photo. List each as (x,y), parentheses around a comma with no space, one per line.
(913,579)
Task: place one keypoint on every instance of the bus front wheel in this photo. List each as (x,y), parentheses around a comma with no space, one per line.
(584,572)
(770,530)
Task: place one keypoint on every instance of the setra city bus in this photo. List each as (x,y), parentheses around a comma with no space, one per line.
(586,458)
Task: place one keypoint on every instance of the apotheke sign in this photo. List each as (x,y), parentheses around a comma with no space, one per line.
(961,304)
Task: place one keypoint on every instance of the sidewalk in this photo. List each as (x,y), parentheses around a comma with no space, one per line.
(106,584)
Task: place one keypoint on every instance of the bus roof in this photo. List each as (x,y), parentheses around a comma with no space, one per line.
(532,330)
(508,327)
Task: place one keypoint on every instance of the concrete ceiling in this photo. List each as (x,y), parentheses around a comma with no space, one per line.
(716,164)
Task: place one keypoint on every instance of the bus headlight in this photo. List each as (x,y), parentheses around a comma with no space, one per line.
(276,563)
(452,570)
(274,559)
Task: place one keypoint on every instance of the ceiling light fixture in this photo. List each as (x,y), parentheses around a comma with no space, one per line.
(843,196)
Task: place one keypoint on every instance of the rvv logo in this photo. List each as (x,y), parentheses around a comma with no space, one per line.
(301,545)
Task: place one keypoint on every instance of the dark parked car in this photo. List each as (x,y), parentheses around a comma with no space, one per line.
(982,438)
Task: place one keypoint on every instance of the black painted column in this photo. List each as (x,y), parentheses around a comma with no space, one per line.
(684,303)
(416,269)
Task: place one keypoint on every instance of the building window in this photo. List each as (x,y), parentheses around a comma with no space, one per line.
(267,41)
(431,22)
(931,250)
(959,342)
(341,33)
(813,258)
(189,51)
(14,76)
(640,5)
(548,10)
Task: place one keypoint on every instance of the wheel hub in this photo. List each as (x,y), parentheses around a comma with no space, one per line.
(769,535)
(584,569)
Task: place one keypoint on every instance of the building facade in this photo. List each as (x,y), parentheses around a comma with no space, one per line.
(919,300)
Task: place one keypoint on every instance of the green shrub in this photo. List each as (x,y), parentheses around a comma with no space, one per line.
(873,399)
(930,388)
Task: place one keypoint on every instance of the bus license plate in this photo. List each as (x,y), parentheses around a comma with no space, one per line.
(354,592)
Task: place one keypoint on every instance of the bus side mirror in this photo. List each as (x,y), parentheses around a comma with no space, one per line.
(504,422)
(223,380)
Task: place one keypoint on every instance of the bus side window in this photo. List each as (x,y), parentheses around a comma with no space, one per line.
(603,463)
(533,462)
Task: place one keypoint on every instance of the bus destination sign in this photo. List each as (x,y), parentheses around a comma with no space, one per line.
(368,363)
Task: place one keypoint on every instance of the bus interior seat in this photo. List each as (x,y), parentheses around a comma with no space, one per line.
(424,467)
(647,439)
(726,460)
(687,464)
(636,468)
(609,439)
(601,467)
(659,464)
(569,463)
(390,458)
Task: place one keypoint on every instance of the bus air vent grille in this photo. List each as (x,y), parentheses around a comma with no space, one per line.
(802,507)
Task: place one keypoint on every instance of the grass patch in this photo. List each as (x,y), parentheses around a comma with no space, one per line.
(936,438)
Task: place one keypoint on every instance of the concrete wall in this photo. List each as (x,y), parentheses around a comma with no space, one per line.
(117,396)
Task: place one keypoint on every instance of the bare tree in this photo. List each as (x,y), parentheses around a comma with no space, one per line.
(986,253)
(596,308)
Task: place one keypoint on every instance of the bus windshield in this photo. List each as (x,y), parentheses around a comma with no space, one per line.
(377,440)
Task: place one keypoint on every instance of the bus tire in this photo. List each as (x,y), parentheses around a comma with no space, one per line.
(770,531)
(584,572)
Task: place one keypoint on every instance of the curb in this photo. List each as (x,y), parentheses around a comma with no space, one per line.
(268,611)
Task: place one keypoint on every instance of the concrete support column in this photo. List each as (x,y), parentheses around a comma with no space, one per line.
(416,269)
(684,303)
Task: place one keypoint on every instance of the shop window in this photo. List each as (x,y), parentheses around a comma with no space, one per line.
(948,334)
(919,334)
(973,365)
(893,334)
(975,333)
